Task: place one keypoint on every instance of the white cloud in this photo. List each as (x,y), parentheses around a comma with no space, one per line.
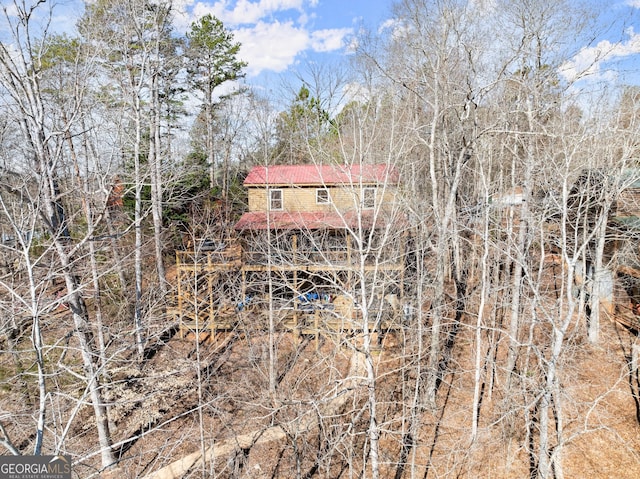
(245,12)
(633,3)
(329,40)
(396,28)
(274,46)
(272,32)
(590,60)
(271,46)
(305,17)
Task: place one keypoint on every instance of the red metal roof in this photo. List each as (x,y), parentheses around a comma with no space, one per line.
(281,220)
(321,174)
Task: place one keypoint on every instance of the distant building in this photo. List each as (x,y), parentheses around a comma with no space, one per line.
(513,197)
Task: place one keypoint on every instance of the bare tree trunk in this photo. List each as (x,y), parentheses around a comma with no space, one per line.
(31,304)
(593,328)
(437,305)
(516,290)
(155,165)
(115,250)
(418,397)
(36,340)
(22,83)
(83,333)
(373,429)
(138,326)
(484,286)
(521,253)
(91,222)
(271,355)
(634,376)
(76,304)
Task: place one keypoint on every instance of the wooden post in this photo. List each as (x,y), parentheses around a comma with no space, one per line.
(296,292)
(179,279)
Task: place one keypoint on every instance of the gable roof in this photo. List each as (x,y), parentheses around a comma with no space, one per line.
(301,175)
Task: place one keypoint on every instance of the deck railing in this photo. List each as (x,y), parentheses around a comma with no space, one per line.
(224,255)
(221,255)
(316,257)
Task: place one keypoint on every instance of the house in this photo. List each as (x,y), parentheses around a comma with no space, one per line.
(311,234)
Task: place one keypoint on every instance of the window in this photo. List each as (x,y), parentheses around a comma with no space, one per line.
(322,196)
(275,200)
(368,198)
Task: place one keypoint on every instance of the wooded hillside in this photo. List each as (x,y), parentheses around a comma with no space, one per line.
(493,314)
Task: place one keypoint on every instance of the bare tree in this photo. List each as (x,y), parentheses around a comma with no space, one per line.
(119,29)
(19,75)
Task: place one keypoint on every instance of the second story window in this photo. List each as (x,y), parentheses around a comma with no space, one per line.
(322,196)
(368,198)
(275,200)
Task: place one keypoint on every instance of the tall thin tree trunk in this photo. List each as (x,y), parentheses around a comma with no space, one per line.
(83,333)
(438,294)
(418,399)
(89,215)
(138,326)
(115,250)
(521,252)
(155,165)
(484,274)
(36,340)
(597,289)
(373,428)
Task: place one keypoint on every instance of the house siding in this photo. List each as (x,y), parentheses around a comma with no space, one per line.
(303,199)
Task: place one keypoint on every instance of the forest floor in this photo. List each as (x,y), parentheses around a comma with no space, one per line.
(314,424)
(601,431)
(602,435)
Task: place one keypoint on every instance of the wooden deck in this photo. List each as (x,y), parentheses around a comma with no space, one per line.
(233,257)
(213,284)
(301,322)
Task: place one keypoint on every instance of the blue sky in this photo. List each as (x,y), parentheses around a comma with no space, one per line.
(275,34)
(278,36)
(613,55)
